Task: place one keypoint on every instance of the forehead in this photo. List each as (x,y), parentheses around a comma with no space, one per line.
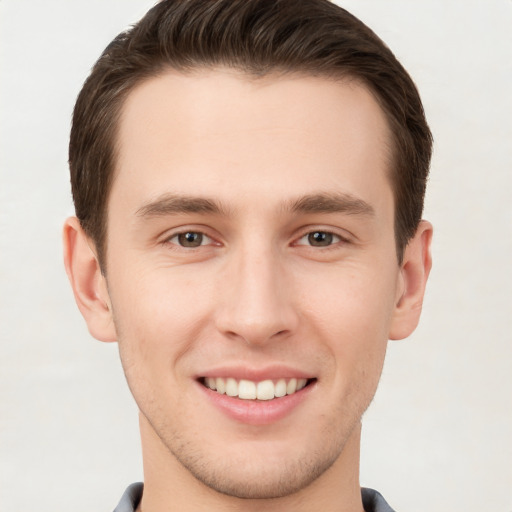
(222,133)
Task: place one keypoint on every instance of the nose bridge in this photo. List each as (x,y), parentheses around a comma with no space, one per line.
(257,306)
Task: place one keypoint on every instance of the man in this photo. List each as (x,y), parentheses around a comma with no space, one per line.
(248,178)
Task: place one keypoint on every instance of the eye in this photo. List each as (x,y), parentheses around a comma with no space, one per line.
(319,239)
(190,239)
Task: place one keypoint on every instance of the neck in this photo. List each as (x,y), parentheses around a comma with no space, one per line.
(169,486)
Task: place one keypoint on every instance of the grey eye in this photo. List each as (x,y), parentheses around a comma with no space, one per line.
(320,238)
(190,239)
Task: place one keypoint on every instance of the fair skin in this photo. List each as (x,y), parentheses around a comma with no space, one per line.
(288,273)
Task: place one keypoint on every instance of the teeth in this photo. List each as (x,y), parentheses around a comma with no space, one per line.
(280,388)
(249,390)
(291,387)
(265,390)
(220,385)
(231,387)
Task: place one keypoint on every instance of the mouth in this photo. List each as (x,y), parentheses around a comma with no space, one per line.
(251,390)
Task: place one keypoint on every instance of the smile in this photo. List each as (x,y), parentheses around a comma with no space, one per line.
(250,390)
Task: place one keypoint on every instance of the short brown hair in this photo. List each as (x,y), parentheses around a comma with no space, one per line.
(257,37)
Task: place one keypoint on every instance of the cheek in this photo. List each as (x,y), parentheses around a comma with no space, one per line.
(158,316)
(351,316)
(356,301)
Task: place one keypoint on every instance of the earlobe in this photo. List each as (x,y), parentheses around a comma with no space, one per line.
(87,281)
(414,273)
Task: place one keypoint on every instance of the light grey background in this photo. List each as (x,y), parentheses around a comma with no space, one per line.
(438,435)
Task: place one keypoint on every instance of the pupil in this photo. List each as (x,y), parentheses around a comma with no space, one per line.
(320,238)
(190,239)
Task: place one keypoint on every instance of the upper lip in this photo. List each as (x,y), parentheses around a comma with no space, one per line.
(240,372)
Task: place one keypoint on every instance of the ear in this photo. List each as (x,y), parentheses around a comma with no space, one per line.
(414,272)
(88,282)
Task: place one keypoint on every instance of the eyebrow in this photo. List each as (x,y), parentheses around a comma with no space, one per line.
(171,204)
(332,203)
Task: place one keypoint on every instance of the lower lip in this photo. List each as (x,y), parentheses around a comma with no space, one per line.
(257,412)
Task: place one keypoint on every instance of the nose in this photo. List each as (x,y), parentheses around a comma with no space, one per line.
(256,302)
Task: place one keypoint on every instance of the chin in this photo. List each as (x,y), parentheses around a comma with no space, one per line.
(247,474)
(264,482)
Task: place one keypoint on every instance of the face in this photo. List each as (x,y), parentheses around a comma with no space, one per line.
(252,272)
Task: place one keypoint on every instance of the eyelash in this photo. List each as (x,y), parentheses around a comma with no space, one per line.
(176,236)
(333,239)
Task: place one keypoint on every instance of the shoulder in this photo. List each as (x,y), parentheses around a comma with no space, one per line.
(131,498)
(373,501)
